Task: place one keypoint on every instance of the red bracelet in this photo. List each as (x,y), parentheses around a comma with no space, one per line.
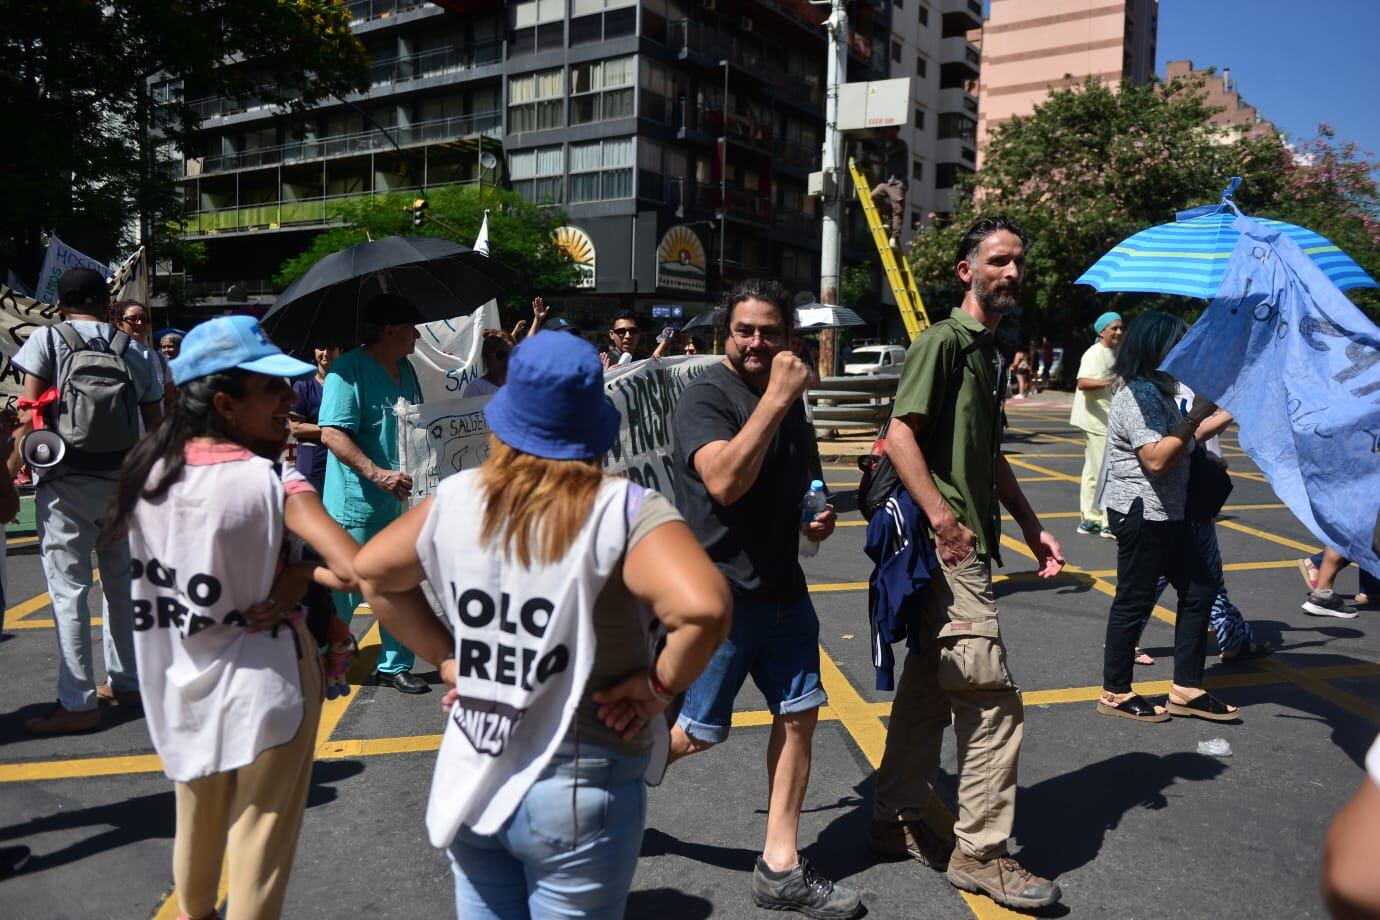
(659,690)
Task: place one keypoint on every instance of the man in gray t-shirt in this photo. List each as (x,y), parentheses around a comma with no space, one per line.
(71,508)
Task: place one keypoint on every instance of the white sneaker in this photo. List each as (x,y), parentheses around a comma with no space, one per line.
(1328,604)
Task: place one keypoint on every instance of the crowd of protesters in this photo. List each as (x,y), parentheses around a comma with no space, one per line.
(591,633)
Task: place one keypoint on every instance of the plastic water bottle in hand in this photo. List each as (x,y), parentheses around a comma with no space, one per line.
(814,503)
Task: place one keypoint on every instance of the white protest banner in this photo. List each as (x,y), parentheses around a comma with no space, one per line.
(57,260)
(444,437)
(440,438)
(447,358)
(19,317)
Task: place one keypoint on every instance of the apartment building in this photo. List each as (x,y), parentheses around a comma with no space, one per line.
(1237,118)
(1032,46)
(676,136)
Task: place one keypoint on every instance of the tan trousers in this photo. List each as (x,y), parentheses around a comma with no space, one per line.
(893,196)
(254,812)
(958,675)
(1093,449)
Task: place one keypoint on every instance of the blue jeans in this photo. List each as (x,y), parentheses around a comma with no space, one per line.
(570,849)
(1370,584)
(778,644)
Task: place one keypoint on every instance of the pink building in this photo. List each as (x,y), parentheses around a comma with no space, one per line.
(1237,118)
(1032,46)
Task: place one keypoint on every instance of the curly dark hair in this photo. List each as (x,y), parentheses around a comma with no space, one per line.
(764,289)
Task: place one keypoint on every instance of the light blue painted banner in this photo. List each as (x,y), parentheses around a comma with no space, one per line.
(1298,365)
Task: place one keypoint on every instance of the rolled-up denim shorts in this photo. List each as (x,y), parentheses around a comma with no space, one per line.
(775,642)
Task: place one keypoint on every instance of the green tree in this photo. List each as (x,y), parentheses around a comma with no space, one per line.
(1092,165)
(90,150)
(519,234)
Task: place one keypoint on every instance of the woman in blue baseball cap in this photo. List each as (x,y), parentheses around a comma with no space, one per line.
(231,679)
(542,563)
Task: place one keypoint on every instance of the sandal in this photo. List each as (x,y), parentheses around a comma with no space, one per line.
(1309,573)
(1251,653)
(1206,706)
(1143,657)
(1133,707)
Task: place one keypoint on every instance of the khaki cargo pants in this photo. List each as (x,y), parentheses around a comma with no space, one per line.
(959,674)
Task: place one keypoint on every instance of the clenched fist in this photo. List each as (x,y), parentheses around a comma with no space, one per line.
(789,378)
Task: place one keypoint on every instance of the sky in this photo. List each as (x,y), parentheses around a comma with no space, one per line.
(1298,63)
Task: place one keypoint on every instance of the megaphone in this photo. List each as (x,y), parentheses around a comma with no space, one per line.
(42,448)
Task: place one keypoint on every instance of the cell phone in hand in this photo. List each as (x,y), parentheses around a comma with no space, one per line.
(667,334)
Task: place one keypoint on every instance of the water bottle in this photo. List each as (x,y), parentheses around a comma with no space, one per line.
(813,504)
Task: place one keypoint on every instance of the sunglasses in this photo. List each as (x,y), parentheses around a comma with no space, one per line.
(135,318)
(626,330)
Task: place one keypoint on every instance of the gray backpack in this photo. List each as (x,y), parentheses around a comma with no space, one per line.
(97,412)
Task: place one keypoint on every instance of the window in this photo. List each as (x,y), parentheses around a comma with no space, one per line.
(536,174)
(920,66)
(924,15)
(917,170)
(920,119)
(956,124)
(535,101)
(601,90)
(601,170)
(896,51)
(535,12)
(599,20)
(947,174)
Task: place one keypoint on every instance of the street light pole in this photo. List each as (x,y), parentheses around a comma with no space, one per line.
(834,179)
(723,178)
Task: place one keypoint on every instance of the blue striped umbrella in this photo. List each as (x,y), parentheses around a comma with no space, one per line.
(1190,256)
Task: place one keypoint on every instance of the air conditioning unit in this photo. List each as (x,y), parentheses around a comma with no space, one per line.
(745,24)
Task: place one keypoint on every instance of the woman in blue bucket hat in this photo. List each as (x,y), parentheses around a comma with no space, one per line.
(557,580)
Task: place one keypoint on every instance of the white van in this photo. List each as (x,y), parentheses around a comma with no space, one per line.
(875,359)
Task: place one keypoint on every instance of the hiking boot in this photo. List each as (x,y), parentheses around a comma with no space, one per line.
(125,699)
(62,721)
(1003,880)
(804,891)
(914,839)
(1328,604)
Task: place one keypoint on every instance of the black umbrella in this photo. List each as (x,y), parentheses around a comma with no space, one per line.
(706,320)
(443,279)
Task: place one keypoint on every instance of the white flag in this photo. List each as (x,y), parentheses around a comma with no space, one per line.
(131,281)
(57,260)
(481,242)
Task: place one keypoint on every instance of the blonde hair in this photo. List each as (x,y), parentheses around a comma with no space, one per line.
(535,507)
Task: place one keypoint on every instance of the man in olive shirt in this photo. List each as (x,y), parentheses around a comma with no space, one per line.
(945,442)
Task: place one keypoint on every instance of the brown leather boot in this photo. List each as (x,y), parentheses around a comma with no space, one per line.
(1003,880)
(914,839)
(61,721)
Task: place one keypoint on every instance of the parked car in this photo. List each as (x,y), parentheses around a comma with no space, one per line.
(875,359)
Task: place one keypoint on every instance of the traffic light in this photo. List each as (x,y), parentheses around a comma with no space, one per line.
(418,206)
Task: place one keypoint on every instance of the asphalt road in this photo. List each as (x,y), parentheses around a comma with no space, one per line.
(1131,819)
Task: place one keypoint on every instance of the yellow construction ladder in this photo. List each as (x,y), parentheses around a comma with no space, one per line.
(897,269)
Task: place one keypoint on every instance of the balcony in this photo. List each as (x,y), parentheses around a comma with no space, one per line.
(274,215)
(798,224)
(686,195)
(708,45)
(955,150)
(958,50)
(801,157)
(958,100)
(485,124)
(362,11)
(434,63)
(960,16)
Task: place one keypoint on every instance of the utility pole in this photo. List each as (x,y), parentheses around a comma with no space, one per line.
(834,179)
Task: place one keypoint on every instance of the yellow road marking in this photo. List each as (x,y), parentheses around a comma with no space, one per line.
(23,609)
(1046,434)
(1273,538)
(838,586)
(1034,468)
(20,541)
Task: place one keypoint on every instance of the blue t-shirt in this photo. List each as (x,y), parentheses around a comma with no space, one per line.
(358,398)
(311,458)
